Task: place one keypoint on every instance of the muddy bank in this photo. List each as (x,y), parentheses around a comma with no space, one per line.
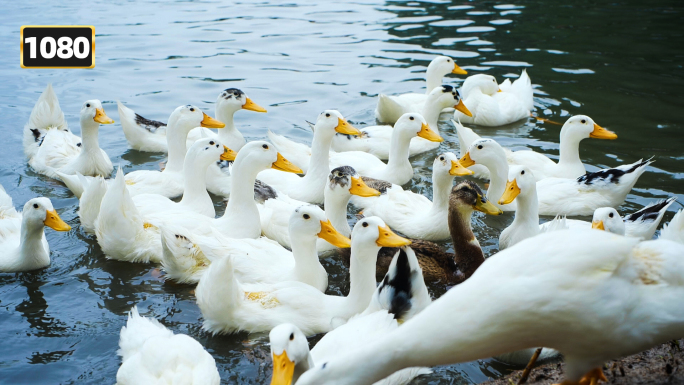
(663,364)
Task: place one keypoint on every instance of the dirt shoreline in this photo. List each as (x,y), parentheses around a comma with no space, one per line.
(663,364)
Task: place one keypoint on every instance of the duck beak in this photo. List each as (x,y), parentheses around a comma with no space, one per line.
(499,90)
(360,188)
(250,105)
(332,236)
(427,133)
(486,206)
(601,133)
(283,369)
(343,127)
(283,164)
(458,70)
(210,122)
(458,169)
(598,225)
(466,160)
(53,221)
(512,191)
(101,117)
(228,154)
(462,107)
(387,238)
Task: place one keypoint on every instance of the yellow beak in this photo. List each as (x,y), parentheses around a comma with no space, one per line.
(360,188)
(512,191)
(283,164)
(283,370)
(343,127)
(462,107)
(101,117)
(210,122)
(486,206)
(427,133)
(250,105)
(228,154)
(458,169)
(499,90)
(53,221)
(466,160)
(601,133)
(332,236)
(598,225)
(387,238)
(458,70)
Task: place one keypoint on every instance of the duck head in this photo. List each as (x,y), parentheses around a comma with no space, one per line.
(371,233)
(581,127)
(311,222)
(608,219)
(185,118)
(92,114)
(231,100)
(446,165)
(443,65)
(344,181)
(446,96)
(261,155)
(206,151)
(483,151)
(331,122)
(290,354)
(521,182)
(467,197)
(38,212)
(413,124)
(485,83)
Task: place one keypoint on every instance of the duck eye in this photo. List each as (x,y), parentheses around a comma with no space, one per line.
(88,105)
(291,336)
(441,158)
(583,121)
(306,216)
(327,115)
(364,224)
(412,118)
(35,205)
(212,142)
(479,147)
(522,172)
(448,60)
(192,110)
(265,146)
(610,215)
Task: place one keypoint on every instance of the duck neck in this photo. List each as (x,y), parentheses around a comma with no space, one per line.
(229,135)
(31,245)
(320,158)
(527,210)
(569,149)
(468,255)
(175,139)
(89,137)
(498,171)
(195,182)
(432,78)
(241,203)
(431,111)
(307,263)
(302,367)
(398,152)
(336,210)
(441,188)
(361,277)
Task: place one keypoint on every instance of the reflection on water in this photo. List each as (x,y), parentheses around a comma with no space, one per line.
(298,59)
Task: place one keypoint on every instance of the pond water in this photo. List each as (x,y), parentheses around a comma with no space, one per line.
(620,63)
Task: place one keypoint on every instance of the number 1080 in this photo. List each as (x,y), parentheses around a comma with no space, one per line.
(64,47)
(57,46)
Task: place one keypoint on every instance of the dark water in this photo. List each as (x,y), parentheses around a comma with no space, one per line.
(620,63)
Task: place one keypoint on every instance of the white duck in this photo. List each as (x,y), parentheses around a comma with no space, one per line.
(343,182)
(57,151)
(492,104)
(641,224)
(150,135)
(23,245)
(414,215)
(628,287)
(391,108)
(575,129)
(229,306)
(308,188)
(46,115)
(121,220)
(256,260)
(152,354)
(558,196)
(377,140)
(674,231)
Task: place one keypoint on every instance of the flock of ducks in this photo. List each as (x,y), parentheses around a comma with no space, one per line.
(587,294)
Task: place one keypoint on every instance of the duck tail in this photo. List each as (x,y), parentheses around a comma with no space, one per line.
(182,259)
(617,181)
(46,114)
(522,88)
(219,294)
(74,183)
(466,136)
(90,201)
(674,231)
(139,329)
(137,128)
(644,222)
(388,110)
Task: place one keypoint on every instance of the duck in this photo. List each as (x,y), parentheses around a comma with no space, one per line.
(45,115)
(256,260)
(23,246)
(558,196)
(494,105)
(57,151)
(310,187)
(398,169)
(153,354)
(121,219)
(414,215)
(390,108)
(626,284)
(90,201)
(402,290)
(641,224)
(436,264)
(150,135)
(575,129)
(202,154)
(228,305)
(674,231)
(377,140)
(343,182)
